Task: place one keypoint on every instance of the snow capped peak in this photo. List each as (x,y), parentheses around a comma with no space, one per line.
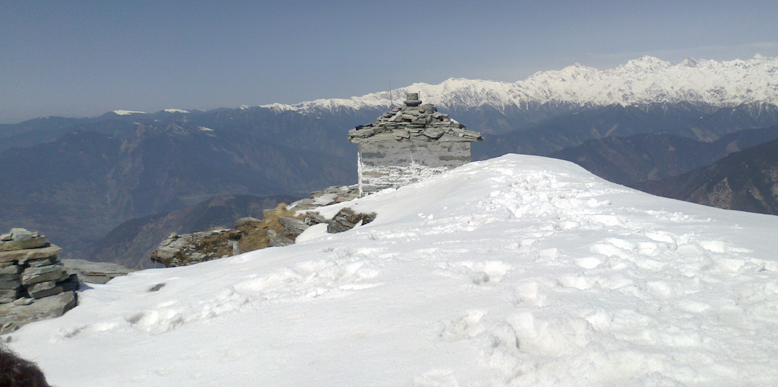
(688,62)
(176,111)
(126,112)
(639,81)
(647,62)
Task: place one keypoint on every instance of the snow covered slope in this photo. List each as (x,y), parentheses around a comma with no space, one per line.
(640,81)
(519,271)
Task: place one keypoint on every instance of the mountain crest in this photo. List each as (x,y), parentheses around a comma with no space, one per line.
(645,80)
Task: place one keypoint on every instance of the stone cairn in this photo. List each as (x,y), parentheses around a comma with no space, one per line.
(415,122)
(34,284)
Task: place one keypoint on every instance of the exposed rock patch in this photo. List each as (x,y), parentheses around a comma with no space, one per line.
(346,219)
(95,272)
(279,227)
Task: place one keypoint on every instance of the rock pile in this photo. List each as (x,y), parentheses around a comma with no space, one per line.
(34,284)
(414,122)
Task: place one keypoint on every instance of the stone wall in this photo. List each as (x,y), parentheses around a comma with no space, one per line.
(392,164)
(409,144)
(34,284)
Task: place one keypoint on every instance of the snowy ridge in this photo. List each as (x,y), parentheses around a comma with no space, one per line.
(639,81)
(126,112)
(515,271)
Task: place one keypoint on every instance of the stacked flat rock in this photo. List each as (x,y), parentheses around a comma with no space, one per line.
(30,271)
(414,122)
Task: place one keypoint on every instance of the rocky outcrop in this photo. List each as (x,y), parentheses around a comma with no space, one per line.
(327,196)
(95,272)
(279,227)
(346,219)
(188,249)
(34,284)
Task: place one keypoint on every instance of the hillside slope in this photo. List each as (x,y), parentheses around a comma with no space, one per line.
(643,157)
(746,180)
(518,271)
(78,188)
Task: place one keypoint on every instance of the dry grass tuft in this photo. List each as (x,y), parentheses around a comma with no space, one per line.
(254,234)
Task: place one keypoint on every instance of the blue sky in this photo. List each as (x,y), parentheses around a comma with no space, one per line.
(84,58)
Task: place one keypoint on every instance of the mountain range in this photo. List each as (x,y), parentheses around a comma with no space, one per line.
(77,178)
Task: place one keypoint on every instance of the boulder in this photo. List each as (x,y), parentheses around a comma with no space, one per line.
(14,316)
(346,219)
(313,217)
(44,289)
(292,226)
(277,240)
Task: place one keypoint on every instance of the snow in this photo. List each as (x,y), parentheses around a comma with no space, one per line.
(639,81)
(127,112)
(516,271)
(176,111)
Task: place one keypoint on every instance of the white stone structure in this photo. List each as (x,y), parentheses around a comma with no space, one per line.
(409,144)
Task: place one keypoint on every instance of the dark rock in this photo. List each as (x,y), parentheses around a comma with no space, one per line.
(278,240)
(44,289)
(313,217)
(346,219)
(7,284)
(70,284)
(292,226)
